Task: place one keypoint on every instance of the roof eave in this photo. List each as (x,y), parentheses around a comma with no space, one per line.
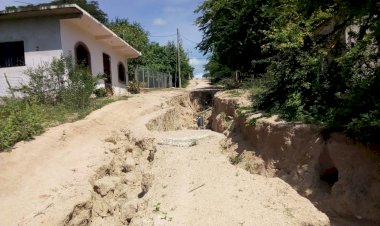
(69,11)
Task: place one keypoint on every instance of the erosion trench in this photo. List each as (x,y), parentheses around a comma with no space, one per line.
(201,159)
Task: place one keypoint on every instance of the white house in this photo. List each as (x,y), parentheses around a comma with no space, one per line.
(29,37)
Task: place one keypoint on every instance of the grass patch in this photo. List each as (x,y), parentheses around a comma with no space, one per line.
(57,92)
(234,92)
(21,120)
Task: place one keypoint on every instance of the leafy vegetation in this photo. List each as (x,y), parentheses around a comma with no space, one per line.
(134,87)
(19,121)
(162,58)
(60,81)
(58,92)
(319,60)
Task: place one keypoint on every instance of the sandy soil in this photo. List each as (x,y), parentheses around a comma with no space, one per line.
(194,182)
(197,185)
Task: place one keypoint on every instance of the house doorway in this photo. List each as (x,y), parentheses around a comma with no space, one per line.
(82,55)
(107,72)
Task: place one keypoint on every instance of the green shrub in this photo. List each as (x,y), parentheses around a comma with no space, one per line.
(134,87)
(336,88)
(56,93)
(61,81)
(100,92)
(229,83)
(20,120)
(79,87)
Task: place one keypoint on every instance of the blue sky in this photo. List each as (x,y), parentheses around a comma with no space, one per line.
(158,17)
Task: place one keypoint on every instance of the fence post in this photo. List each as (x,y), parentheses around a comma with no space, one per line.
(136,74)
(143,77)
(155,80)
(170,80)
(148,79)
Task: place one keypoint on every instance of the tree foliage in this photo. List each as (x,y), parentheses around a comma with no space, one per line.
(233,32)
(157,57)
(91,7)
(164,59)
(136,36)
(321,58)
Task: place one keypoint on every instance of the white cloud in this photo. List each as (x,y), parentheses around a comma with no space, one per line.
(197,62)
(159,22)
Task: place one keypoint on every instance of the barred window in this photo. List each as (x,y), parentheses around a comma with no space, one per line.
(12,54)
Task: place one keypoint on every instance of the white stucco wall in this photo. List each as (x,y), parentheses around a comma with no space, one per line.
(42,34)
(71,34)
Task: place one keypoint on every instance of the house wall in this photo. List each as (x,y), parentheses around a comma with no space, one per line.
(71,34)
(42,42)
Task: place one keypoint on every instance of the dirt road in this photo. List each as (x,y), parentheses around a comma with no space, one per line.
(69,175)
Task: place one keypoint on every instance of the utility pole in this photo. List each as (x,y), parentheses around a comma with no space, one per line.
(179,59)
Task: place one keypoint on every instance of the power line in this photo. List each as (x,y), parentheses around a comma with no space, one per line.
(189,40)
(162,36)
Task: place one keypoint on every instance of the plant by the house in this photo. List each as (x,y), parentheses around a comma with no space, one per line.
(56,93)
(134,87)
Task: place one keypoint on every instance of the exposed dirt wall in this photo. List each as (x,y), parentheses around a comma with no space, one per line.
(340,176)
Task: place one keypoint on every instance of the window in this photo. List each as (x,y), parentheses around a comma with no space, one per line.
(12,54)
(121,70)
(82,55)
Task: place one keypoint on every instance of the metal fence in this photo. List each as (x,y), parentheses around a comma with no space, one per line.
(153,79)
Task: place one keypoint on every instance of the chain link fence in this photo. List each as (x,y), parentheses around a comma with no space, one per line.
(153,79)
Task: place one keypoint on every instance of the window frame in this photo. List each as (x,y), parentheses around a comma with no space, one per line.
(80,43)
(20,48)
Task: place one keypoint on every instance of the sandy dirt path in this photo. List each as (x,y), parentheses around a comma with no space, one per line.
(197,185)
(42,180)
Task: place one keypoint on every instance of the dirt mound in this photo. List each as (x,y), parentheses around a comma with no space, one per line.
(340,176)
(180,116)
(118,187)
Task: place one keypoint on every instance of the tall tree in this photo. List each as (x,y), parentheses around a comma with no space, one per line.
(134,34)
(164,59)
(232,32)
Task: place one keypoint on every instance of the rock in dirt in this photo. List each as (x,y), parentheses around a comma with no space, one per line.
(146,184)
(129,164)
(104,207)
(129,210)
(105,185)
(80,215)
(131,178)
